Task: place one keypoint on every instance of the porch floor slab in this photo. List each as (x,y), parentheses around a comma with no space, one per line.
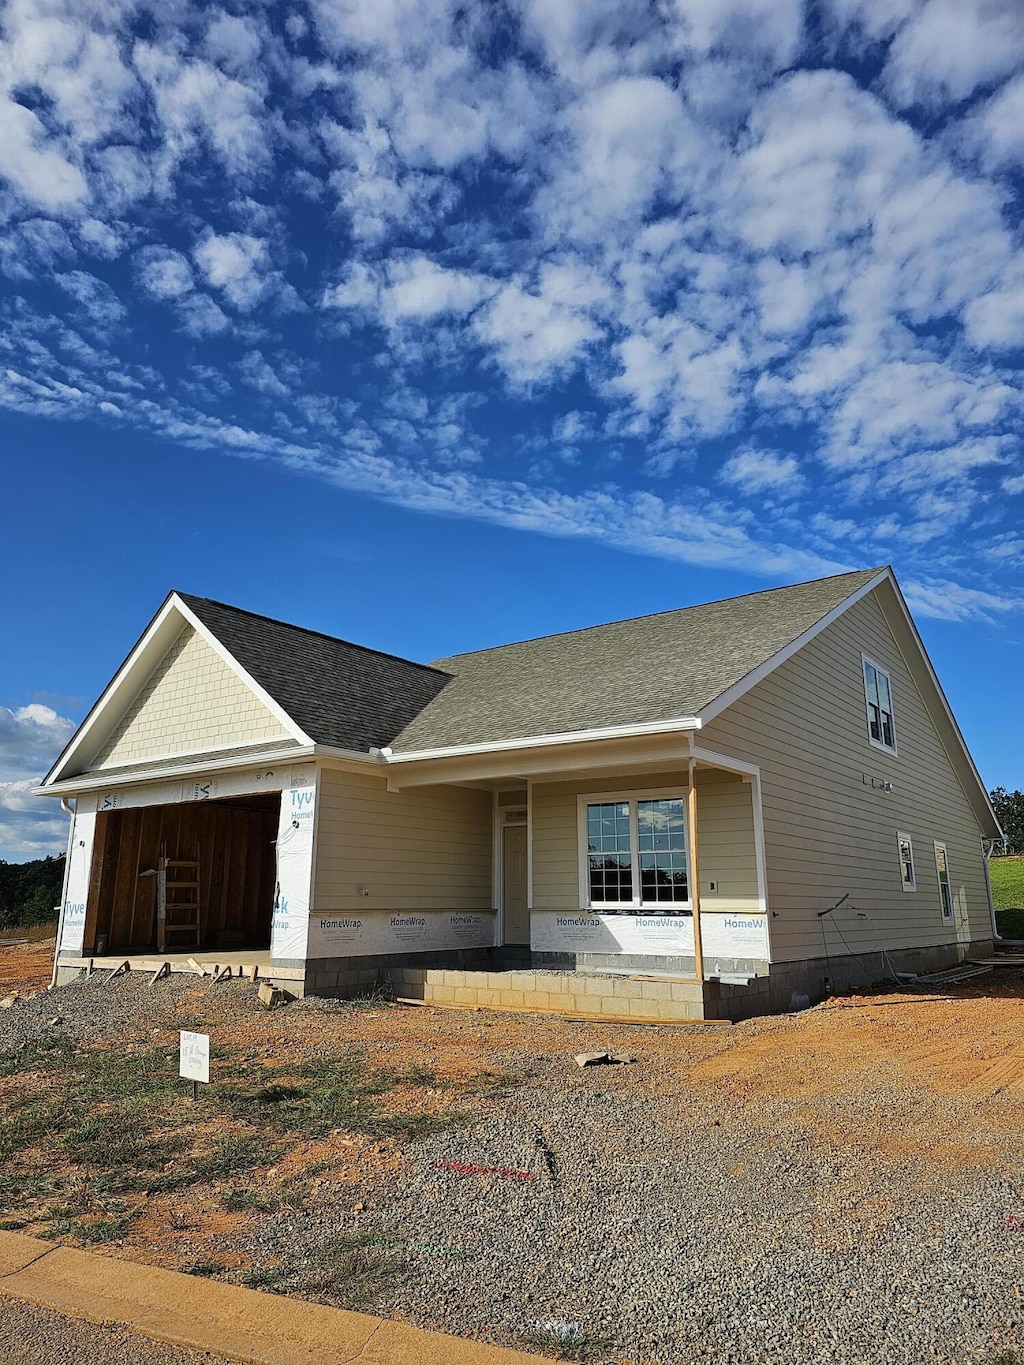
(576,995)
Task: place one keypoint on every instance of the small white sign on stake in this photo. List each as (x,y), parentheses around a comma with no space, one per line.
(194,1058)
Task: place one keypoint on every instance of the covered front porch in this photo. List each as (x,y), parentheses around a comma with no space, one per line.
(608,879)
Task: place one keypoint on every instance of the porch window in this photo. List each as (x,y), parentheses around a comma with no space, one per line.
(878,698)
(945,890)
(907,875)
(634,852)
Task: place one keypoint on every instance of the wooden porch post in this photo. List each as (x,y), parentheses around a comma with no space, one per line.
(693,870)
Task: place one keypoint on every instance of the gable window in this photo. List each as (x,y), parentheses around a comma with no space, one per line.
(907,874)
(945,890)
(878,697)
(633,852)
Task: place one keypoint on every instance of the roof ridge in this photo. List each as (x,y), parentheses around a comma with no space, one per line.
(650,616)
(308,630)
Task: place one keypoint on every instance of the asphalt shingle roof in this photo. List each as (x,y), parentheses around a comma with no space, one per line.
(646,669)
(340,694)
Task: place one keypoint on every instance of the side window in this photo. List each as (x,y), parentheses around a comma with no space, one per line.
(878,699)
(907,874)
(945,890)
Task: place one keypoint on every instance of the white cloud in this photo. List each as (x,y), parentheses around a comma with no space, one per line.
(948,48)
(532,337)
(237,264)
(763,471)
(94,295)
(261,375)
(420,290)
(234,42)
(30,737)
(950,601)
(101,239)
(196,102)
(201,317)
(39,170)
(163,273)
(996,132)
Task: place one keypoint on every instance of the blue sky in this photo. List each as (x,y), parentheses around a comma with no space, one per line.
(435,325)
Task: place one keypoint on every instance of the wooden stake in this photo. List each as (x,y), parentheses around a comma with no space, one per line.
(163,970)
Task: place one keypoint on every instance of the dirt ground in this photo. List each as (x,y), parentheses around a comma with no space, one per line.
(959,1053)
(25,967)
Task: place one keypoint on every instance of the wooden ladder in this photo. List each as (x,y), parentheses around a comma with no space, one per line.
(177,903)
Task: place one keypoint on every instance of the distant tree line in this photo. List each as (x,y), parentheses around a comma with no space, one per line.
(30,891)
(1009,809)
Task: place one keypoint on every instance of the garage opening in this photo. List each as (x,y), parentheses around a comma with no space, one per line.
(182,877)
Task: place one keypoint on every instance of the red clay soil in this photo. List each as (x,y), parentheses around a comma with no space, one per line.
(25,967)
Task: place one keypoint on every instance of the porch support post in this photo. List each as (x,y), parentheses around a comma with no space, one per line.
(529,844)
(693,868)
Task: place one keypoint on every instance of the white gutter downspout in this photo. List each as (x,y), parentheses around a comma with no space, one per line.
(996,935)
(64,889)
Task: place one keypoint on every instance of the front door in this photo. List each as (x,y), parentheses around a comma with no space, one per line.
(516,915)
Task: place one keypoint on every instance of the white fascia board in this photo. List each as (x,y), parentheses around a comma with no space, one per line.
(154,643)
(657,727)
(100,780)
(756,675)
(344,758)
(147,653)
(222,653)
(933,678)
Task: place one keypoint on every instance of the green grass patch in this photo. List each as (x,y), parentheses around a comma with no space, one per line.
(204,1268)
(119,1121)
(350,1270)
(566,1341)
(1007,884)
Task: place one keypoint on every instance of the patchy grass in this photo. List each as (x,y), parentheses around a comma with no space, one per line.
(1008,890)
(117,1121)
(349,1270)
(565,1341)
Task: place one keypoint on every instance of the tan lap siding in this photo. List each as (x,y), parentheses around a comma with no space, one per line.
(828,831)
(425,849)
(725,834)
(193,701)
(725,838)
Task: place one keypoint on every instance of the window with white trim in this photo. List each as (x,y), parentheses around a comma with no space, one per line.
(878,699)
(945,889)
(906,848)
(633,852)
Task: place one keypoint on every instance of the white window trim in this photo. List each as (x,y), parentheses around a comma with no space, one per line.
(951,917)
(877,743)
(902,836)
(636,905)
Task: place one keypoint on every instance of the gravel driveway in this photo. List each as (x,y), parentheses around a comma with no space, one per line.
(843,1185)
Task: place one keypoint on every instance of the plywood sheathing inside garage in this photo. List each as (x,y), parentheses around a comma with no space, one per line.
(233,843)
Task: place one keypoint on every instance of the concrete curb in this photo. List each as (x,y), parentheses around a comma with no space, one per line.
(241,1324)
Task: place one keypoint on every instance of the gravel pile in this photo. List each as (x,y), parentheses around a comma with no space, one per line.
(663,1230)
(128,1007)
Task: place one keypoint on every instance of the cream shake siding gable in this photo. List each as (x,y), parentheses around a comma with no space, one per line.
(192,702)
(830,827)
(725,831)
(425,849)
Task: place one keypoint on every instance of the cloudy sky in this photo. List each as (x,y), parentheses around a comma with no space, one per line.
(435,325)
